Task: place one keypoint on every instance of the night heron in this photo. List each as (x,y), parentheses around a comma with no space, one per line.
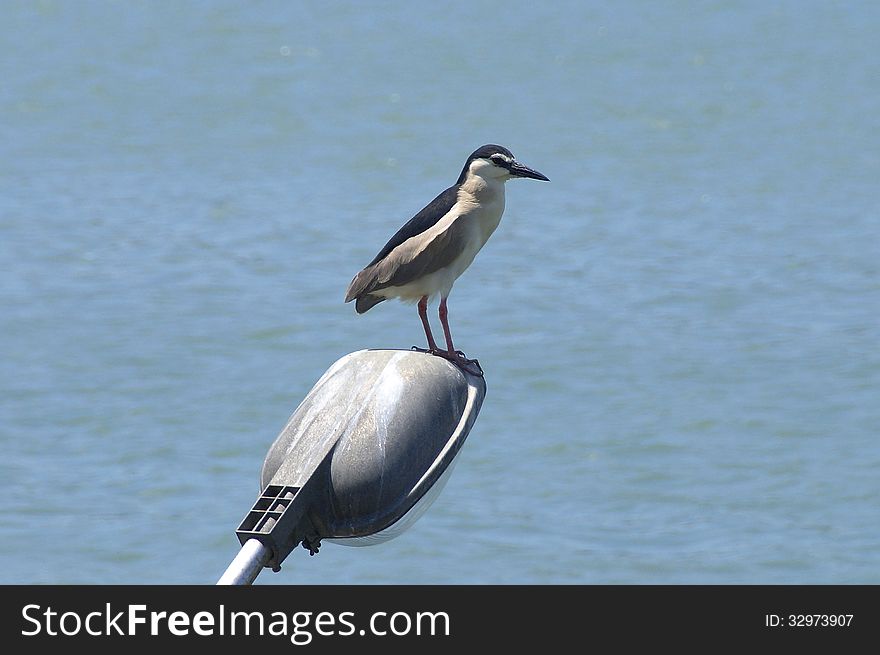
(426,255)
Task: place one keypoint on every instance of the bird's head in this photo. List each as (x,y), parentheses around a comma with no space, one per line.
(493,162)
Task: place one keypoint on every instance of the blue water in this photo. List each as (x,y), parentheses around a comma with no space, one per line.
(679,332)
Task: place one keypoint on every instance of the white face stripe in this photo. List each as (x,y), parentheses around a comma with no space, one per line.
(485,167)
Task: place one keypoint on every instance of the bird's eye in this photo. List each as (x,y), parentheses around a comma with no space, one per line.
(499,160)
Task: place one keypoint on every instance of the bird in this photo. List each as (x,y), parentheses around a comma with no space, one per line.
(426,256)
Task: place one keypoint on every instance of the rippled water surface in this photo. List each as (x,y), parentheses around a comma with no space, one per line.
(679,332)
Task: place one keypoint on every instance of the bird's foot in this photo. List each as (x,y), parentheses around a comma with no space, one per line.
(471,366)
(457,357)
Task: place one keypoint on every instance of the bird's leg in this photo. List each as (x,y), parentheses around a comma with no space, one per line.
(444,321)
(423,314)
(457,357)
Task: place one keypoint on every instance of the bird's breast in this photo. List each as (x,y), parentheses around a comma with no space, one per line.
(482,205)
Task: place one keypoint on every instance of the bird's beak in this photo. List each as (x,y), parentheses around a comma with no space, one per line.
(520,170)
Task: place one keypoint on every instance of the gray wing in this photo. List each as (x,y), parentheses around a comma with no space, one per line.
(409,261)
(405,264)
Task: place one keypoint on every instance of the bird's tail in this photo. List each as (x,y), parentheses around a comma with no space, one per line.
(367,301)
(360,288)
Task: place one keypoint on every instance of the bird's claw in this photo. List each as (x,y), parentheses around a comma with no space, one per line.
(471,366)
(458,358)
